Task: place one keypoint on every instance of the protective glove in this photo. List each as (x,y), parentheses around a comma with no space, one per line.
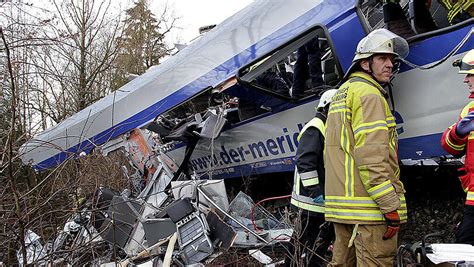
(319,199)
(465,125)
(392,219)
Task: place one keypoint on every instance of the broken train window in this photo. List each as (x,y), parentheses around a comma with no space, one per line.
(303,67)
(204,115)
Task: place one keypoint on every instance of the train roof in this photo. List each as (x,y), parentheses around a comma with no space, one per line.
(208,61)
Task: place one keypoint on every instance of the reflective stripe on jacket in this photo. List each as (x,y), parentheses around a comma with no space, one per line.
(457,7)
(363,176)
(309,161)
(459,146)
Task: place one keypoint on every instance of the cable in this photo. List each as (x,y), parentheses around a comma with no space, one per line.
(456,48)
(400,254)
(258,203)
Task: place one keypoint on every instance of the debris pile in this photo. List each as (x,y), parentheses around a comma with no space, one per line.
(194,224)
(171,220)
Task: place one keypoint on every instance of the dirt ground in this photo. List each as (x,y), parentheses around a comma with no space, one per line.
(435,203)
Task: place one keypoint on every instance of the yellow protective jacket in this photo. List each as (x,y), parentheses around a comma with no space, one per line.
(362,172)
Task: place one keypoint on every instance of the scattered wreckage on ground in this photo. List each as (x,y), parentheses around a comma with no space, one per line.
(169,219)
(174,218)
(190,222)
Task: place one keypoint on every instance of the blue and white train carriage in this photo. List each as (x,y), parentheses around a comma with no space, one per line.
(221,73)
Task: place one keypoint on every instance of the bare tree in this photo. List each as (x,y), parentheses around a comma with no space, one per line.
(60,56)
(84,48)
(44,66)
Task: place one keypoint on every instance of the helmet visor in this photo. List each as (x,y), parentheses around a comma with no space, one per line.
(466,68)
(400,46)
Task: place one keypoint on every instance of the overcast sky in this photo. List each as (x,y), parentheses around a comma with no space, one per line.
(196,13)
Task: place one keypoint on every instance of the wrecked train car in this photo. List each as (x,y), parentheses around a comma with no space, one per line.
(213,110)
(253,125)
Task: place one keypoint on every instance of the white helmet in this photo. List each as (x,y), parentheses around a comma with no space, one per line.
(466,65)
(326,98)
(380,41)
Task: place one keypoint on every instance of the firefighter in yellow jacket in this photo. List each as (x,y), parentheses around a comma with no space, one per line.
(364,195)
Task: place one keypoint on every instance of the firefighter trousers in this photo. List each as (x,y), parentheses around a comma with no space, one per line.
(368,248)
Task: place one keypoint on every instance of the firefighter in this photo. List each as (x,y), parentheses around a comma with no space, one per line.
(458,140)
(364,197)
(308,185)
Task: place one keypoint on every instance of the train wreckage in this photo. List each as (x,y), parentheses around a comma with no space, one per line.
(203,115)
(172,219)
